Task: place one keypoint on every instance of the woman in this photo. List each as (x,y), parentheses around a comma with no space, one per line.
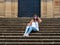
(32,25)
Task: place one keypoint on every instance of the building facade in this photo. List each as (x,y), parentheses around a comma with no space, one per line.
(49,8)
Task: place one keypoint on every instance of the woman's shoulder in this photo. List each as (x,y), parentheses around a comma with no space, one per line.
(32,20)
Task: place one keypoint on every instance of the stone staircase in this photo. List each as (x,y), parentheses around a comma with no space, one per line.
(11,32)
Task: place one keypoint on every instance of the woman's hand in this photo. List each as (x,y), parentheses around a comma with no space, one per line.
(39,20)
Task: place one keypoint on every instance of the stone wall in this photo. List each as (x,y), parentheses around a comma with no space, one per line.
(2,9)
(43,8)
(57,8)
(8,8)
(49,8)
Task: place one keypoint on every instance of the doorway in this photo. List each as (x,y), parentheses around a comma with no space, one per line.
(26,8)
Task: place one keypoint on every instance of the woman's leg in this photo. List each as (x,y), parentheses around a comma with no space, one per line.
(27,27)
(30,30)
(34,29)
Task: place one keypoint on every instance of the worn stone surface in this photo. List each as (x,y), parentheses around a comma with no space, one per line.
(8,8)
(12,30)
(52,8)
(57,8)
(43,8)
(2,8)
(14,8)
(49,8)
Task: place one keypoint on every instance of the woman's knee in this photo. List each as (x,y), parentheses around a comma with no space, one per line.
(28,24)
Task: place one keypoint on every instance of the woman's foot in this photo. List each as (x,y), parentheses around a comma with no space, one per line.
(26,35)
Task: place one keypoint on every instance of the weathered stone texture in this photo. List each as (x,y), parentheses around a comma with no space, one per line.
(2,8)
(43,8)
(8,8)
(52,8)
(57,8)
(49,8)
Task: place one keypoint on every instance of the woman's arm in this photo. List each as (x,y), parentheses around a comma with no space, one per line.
(30,23)
(39,20)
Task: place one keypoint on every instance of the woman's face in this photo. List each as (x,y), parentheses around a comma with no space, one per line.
(35,17)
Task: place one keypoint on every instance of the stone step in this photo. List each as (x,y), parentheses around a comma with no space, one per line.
(29,40)
(18,26)
(23,28)
(20,21)
(33,34)
(24,24)
(40,32)
(30,43)
(7,36)
(29,18)
(12,29)
(30,37)
(22,18)
(28,21)
(19,30)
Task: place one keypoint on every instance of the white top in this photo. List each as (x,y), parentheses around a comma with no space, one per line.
(35,25)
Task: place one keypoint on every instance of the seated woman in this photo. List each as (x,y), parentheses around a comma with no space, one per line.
(32,25)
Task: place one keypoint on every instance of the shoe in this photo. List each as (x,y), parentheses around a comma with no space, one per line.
(38,30)
(25,35)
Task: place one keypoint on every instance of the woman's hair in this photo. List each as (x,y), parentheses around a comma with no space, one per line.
(35,17)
